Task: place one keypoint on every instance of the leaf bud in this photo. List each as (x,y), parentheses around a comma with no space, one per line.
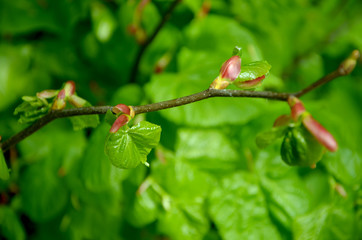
(77,101)
(121,108)
(120,122)
(59,102)
(69,88)
(320,133)
(300,148)
(296,106)
(47,93)
(349,64)
(231,68)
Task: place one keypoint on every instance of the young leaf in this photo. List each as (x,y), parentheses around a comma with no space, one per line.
(32,109)
(129,147)
(252,71)
(85,121)
(4,171)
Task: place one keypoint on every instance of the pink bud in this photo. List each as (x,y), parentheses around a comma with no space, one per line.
(120,122)
(231,68)
(320,133)
(121,108)
(296,106)
(47,93)
(69,88)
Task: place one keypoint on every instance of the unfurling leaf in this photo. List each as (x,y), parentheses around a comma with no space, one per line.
(32,109)
(301,148)
(252,74)
(129,147)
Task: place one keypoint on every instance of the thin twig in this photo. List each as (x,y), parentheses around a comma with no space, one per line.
(345,68)
(333,75)
(166,16)
(54,114)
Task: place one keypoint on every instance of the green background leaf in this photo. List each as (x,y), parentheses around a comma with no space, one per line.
(4,171)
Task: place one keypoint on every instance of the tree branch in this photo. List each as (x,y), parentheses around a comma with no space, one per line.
(143,48)
(345,68)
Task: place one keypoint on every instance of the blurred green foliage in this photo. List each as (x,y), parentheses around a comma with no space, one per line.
(207,179)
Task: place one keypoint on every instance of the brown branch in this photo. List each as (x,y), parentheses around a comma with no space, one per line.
(345,68)
(145,45)
(54,114)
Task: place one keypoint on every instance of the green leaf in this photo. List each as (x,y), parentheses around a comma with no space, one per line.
(4,171)
(174,174)
(96,171)
(43,195)
(326,222)
(286,197)
(252,71)
(206,35)
(208,150)
(194,5)
(130,95)
(129,147)
(182,221)
(266,138)
(145,209)
(345,165)
(10,225)
(103,21)
(184,215)
(239,210)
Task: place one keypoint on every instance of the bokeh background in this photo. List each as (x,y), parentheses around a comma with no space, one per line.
(207,178)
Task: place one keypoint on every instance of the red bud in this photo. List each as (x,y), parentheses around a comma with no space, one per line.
(297,107)
(320,133)
(121,108)
(231,68)
(120,122)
